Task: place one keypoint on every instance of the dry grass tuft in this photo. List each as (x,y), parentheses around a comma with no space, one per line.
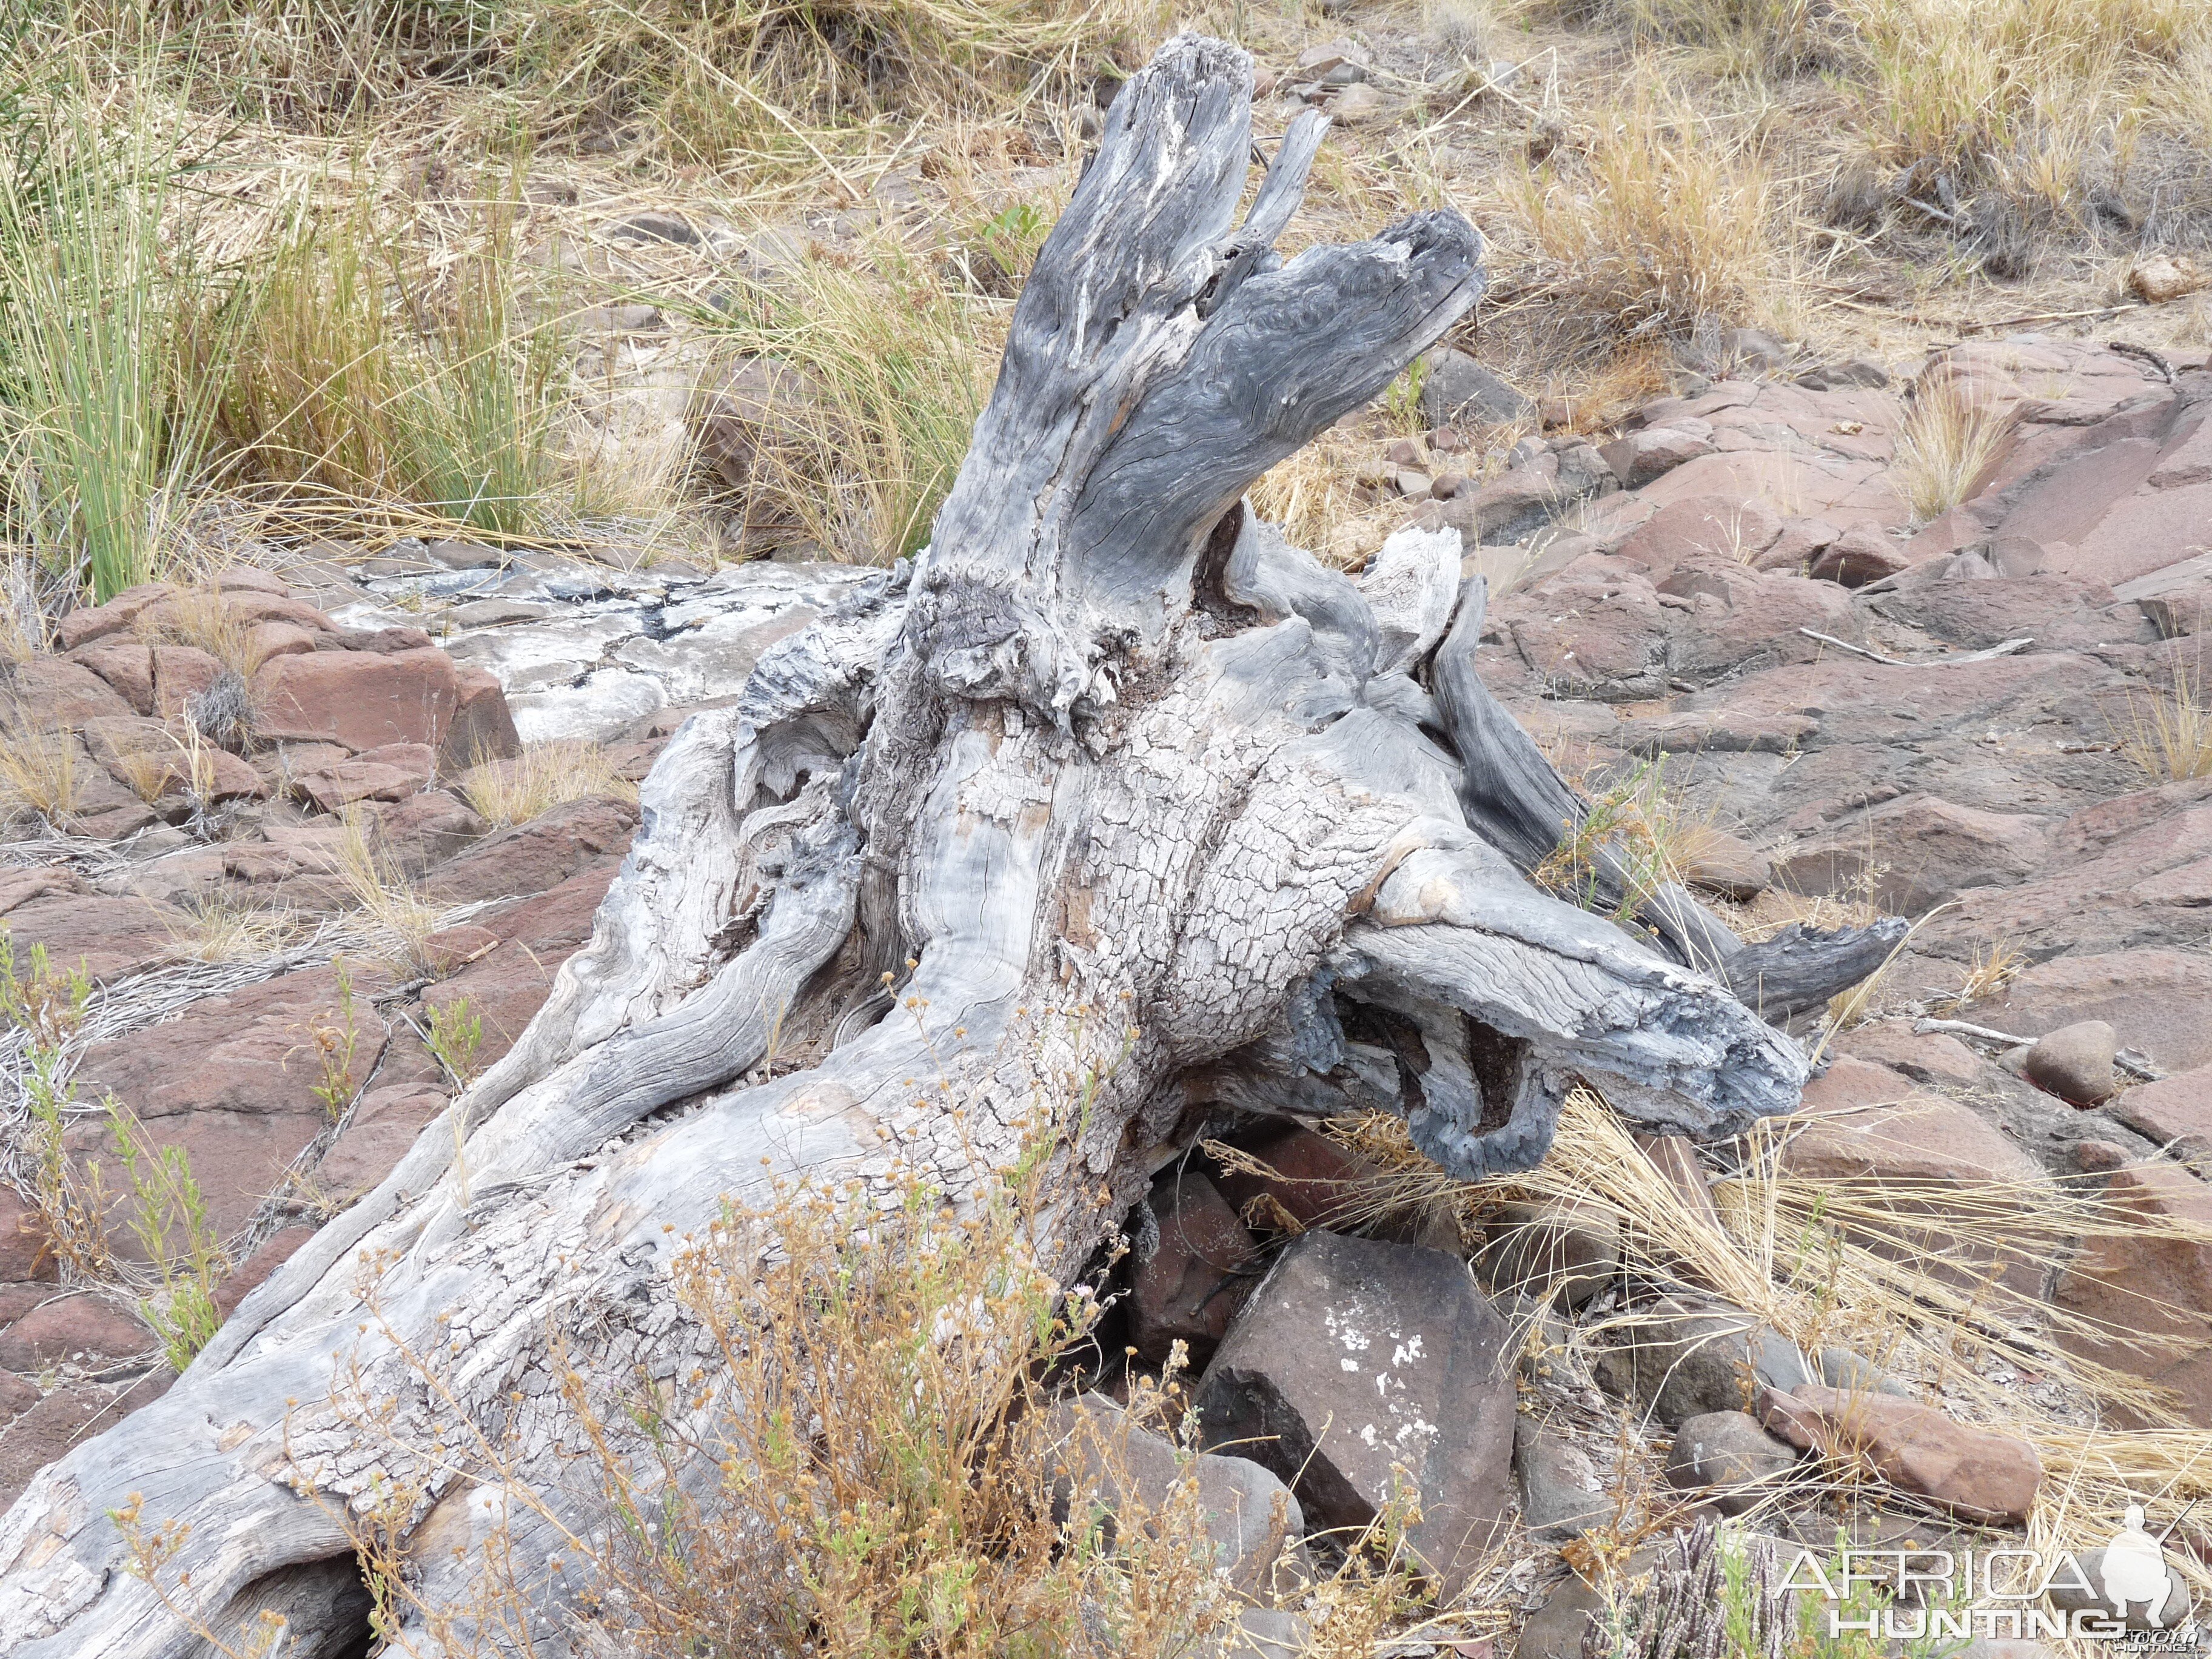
(1907,1275)
(387,899)
(543,776)
(1992,967)
(1945,445)
(2170,737)
(1657,226)
(39,773)
(222,930)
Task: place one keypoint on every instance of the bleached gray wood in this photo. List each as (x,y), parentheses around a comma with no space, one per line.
(1141,792)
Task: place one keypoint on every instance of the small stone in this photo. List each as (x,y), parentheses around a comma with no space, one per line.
(1448,441)
(1853,372)
(2162,277)
(2074,1062)
(1561,1492)
(656,227)
(1408,453)
(1414,486)
(464,556)
(1358,104)
(1680,1361)
(1640,457)
(1714,861)
(1726,1457)
(1446,485)
(1197,1275)
(1840,1368)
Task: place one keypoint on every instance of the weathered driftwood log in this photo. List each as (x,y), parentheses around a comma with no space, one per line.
(1109,745)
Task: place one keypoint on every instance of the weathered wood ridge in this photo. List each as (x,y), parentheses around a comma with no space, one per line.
(1110,744)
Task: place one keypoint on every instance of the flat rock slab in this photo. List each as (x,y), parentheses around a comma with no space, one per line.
(1355,1360)
(1917,1449)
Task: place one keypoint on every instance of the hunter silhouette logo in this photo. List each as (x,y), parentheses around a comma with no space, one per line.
(2134,1570)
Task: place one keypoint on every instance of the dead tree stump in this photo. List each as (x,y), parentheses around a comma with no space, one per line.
(1108,744)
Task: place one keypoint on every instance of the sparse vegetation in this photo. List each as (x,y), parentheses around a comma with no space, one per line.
(335,1041)
(2169,737)
(455,1034)
(1945,444)
(169,1218)
(39,773)
(545,776)
(869,379)
(384,894)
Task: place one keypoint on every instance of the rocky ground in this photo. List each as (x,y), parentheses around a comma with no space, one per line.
(276,868)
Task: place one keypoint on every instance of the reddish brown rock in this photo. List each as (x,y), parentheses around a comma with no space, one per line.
(2154,999)
(1196,1277)
(47,692)
(23,1253)
(2074,1062)
(383,1126)
(1596,629)
(82,1328)
(126,663)
(232,1081)
(108,938)
(1858,556)
(17,1395)
(1315,1181)
(483,726)
(51,1427)
(137,751)
(532,857)
(119,615)
(362,699)
(1972,1473)
(1865,1124)
(1925,851)
(2150,1290)
(181,672)
(507,986)
(1354,1361)
(1640,457)
(389,774)
(1732,527)
(2176,1112)
(1793,551)
(426,829)
(252,1273)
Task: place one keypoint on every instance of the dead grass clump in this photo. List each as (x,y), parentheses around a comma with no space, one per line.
(864,383)
(1993,966)
(2170,737)
(1945,444)
(38,775)
(387,899)
(221,930)
(1754,39)
(1909,1275)
(545,776)
(1656,224)
(197,616)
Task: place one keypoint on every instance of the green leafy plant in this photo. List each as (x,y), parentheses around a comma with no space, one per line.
(169,1218)
(456,1034)
(335,1044)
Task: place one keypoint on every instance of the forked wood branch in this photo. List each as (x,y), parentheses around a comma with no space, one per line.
(1109,755)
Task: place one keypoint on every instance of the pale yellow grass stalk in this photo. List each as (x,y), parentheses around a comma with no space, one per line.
(543,776)
(2170,736)
(1946,442)
(39,773)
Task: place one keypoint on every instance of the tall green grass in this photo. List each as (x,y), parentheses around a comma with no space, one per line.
(101,435)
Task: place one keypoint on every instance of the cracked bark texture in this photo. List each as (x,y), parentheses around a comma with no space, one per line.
(1109,745)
